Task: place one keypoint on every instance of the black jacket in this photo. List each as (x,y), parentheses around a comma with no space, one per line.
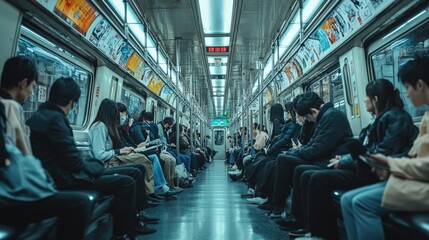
(53,143)
(307,131)
(290,130)
(3,153)
(183,144)
(138,132)
(331,135)
(391,134)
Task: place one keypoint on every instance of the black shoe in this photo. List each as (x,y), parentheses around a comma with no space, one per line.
(156,196)
(299,233)
(170,197)
(142,216)
(266,206)
(289,224)
(144,229)
(276,212)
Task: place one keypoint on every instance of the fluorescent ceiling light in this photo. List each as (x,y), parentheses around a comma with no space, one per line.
(218,82)
(118,6)
(218,70)
(291,33)
(309,8)
(216,15)
(268,67)
(151,47)
(216,41)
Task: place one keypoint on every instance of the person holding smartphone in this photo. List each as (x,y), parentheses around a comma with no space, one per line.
(406,188)
(390,132)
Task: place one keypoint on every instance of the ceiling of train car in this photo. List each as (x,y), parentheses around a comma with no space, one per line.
(254,25)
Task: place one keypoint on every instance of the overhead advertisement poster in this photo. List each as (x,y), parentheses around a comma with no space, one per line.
(167,94)
(348,17)
(135,66)
(152,80)
(78,13)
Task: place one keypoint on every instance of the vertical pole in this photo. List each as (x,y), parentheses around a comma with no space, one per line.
(261,104)
(177,92)
(191,112)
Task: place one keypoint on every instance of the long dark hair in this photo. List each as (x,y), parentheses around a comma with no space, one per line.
(289,108)
(388,96)
(108,114)
(276,111)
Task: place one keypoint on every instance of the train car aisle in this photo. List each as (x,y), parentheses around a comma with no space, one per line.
(213,210)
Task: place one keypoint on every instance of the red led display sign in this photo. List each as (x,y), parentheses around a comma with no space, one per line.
(217,49)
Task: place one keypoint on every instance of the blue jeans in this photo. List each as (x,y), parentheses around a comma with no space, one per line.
(181,159)
(158,175)
(362,211)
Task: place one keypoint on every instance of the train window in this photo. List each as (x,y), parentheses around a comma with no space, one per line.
(330,89)
(52,67)
(387,61)
(134,102)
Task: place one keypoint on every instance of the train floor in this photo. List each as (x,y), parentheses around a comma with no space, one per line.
(213,210)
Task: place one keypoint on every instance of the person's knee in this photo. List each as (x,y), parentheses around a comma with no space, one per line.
(346,200)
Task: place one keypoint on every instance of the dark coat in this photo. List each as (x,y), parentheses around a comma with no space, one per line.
(331,135)
(183,144)
(392,134)
(53,143)
(138,132)
(290,130)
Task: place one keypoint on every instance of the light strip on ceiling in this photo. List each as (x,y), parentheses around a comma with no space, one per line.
(216,41)
(216,15)
(309,8)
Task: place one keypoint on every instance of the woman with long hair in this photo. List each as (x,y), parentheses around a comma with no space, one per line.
(276,117)
(391,132)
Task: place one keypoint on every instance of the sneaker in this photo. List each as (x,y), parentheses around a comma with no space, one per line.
(276,213)
(290,224)
(257,200)
(249,194)
(303,232)
(233,168)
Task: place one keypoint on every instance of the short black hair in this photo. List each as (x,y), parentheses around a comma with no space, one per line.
(148,116)
(289,108)
(17,69)
(122,107)
(414,70)
(168,120)
(307,101)
(64,90)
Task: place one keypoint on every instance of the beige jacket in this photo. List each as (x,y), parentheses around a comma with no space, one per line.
(261,140)
(407,188)
(16,130)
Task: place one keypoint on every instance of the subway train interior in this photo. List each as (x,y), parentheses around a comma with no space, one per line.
(214,119)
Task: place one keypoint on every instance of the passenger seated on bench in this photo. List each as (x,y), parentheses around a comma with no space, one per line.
(53,142)
(72,209)
(326,142)
(407,188)
(391,133)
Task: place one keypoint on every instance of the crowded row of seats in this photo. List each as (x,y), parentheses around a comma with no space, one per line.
(374,185)
(52,188)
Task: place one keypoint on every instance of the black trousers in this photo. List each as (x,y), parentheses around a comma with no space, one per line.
(301,177)
(127,185)
(73,210)
(320,216)
(285,168)
(265,179)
